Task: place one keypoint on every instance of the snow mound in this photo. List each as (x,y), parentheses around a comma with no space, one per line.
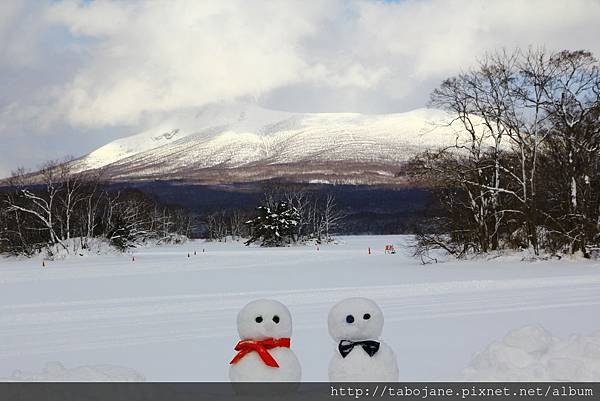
(531,353)
(56,372)
(78,247)
(86,247)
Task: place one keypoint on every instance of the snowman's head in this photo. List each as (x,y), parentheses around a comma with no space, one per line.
(264,318)
(355,319)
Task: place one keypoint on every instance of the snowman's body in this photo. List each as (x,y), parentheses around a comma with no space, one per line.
(260,321)
(356,320)
(358,366)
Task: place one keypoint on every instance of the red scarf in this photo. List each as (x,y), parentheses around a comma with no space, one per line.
(246,346)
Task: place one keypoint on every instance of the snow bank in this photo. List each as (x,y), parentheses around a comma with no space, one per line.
(56,372)
(531,353)
(78,247)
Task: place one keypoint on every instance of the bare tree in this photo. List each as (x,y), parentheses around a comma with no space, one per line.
(572,102)
(298,198)
(516,112)
(39,205)
(90,212)
(332,217)
(217,226)
(57,208)
(236,222)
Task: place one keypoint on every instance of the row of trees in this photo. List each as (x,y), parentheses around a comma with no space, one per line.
(286,215)
(525,169)
(57,210)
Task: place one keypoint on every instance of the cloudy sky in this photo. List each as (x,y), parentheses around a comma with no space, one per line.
(76,74)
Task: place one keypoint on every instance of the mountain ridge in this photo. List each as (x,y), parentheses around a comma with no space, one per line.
(244,142)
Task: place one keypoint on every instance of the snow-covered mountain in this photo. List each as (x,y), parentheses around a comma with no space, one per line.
(240,143)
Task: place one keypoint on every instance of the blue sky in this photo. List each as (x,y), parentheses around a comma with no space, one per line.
(75,75)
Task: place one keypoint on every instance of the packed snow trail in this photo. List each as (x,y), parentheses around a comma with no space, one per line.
(40,328)
(173,318)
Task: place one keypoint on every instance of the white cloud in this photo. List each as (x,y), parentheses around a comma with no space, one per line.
(158,56)
(19,30)
(4,170)
(103,63)
(162,56)
(436,38)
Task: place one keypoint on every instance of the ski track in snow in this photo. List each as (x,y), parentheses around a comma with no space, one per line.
(60,326)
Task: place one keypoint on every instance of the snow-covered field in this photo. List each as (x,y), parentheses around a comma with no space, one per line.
(171,317)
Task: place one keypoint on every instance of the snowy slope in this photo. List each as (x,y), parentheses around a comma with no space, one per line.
(205,124)
(240,135)
(170,317)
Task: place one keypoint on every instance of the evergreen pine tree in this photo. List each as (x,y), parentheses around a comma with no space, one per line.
(274,226)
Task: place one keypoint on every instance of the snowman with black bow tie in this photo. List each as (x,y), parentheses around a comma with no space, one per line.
(356,324)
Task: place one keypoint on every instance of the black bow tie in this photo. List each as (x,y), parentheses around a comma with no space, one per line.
(371,347)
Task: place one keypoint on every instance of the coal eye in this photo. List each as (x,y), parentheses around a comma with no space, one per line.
(258,319)
(349,319)
(276,319)
(366,316)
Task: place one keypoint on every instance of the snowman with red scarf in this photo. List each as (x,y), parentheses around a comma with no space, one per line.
(264,354)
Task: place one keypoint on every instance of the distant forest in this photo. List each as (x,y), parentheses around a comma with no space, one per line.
(367,209)
(58,211)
